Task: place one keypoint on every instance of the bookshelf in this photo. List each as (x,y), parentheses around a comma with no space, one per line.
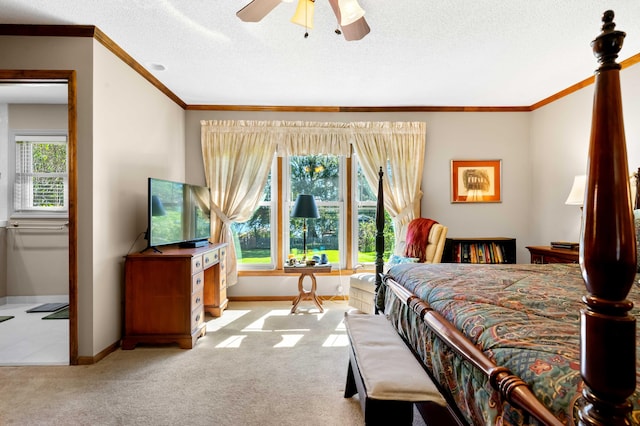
(480,250)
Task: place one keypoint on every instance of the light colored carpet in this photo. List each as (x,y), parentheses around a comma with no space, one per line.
(257,365)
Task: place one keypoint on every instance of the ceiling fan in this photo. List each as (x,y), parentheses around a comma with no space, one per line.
(350,16)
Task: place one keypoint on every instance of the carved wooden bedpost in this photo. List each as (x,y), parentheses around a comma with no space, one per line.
(379,245)
(607,249)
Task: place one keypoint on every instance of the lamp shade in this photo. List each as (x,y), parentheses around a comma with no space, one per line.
(304,13)
(305,207)
(350,11)
(157,208)
(576,195)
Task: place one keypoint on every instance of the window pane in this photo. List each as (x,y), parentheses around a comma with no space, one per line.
(48,192)
(366,199)
(253,238)
(365,193)
(41,173)
(49,158)
(322,235)
(367,235)
(318,175)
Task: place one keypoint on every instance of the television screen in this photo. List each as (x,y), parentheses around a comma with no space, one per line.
(178,212)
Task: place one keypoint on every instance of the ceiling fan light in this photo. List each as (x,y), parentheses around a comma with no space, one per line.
(304,13)
(350,11)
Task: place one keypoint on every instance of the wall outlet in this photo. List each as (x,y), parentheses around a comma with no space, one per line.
(339,288)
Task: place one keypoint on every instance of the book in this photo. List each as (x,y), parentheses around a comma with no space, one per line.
(565,245)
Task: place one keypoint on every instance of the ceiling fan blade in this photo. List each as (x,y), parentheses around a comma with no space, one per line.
(257,9)
(356,30)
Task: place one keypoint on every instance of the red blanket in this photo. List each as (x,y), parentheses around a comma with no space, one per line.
(418,238)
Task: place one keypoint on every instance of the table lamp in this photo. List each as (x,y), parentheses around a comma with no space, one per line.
(305,208)
(576,194)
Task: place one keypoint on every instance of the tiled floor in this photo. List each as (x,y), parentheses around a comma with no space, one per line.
(27,339)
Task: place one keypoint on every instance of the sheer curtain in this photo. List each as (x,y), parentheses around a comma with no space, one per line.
(237,159)
(397,147)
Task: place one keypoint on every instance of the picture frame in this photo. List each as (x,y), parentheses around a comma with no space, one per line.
(476,181)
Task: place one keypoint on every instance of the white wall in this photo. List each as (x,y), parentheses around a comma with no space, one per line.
(559,147)
(137,132)
(37,260)
(450,135)
(67,53)
(541,152)
(127,130)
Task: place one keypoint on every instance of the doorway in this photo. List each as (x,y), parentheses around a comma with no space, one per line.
(33,79)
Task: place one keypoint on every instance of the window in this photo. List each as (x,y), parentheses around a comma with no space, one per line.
(325,177)
(41,173)
(364,223)
(254,242)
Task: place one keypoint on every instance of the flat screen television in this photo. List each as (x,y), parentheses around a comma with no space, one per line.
(178,213)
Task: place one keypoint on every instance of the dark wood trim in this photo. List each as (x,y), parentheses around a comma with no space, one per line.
(72,117)
(88,360)
(47,30)
(127,59)
(580,85)
(95,32)
(70,77)
(284,108)
(99,36)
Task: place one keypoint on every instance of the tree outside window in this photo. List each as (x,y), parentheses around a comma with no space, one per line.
(324,177)
(41,178)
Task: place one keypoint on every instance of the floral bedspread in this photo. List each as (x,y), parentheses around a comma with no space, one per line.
(523,317)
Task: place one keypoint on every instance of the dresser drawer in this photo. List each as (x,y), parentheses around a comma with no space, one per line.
(197,282)
(197,317)
(196,264)
(197,299)
(211,258)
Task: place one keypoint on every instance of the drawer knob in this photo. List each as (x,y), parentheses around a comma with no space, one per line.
(197,300)
(198,281)
(198,317)
(197,264)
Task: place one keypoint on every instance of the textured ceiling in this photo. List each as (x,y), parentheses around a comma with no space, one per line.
(419,52)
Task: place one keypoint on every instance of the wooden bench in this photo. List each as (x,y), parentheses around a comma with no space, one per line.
(385,373)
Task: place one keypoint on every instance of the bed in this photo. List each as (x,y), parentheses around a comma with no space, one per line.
(528,344)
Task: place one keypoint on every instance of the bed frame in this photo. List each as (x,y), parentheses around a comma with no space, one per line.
(607,262)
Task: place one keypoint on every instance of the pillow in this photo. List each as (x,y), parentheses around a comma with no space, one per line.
(394,259)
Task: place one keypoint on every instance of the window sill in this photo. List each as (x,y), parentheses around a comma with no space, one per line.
(38,216)
(280,272)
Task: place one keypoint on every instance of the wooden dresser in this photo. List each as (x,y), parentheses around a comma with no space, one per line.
(546,254)
(168,292)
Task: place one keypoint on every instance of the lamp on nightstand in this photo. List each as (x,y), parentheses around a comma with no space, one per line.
(305,208)
(576,195)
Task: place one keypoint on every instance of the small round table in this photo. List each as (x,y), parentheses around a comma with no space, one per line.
(303,294)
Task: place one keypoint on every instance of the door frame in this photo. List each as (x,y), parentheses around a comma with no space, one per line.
(35,76)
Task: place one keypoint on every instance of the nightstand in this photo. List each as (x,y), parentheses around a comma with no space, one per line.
(546,254)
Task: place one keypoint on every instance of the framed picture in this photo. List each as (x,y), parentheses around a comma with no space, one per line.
(476,181)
